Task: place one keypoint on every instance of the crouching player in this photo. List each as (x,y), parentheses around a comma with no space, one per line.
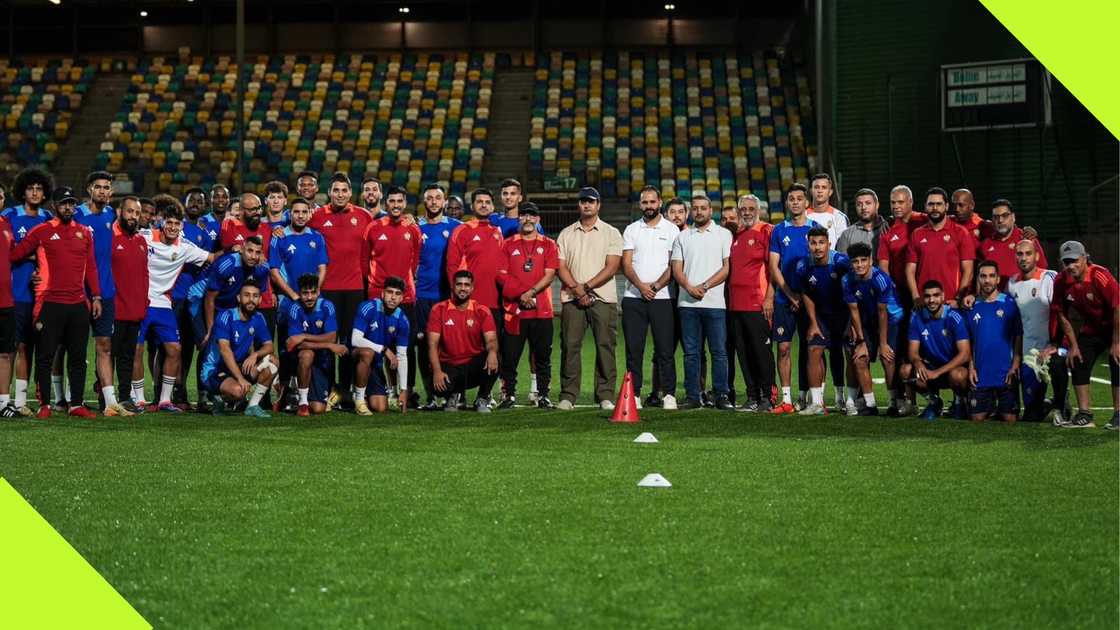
(876,313)
(463,345)
(380,338)
(939,349)
(240,350)
(995,324)
(312,327)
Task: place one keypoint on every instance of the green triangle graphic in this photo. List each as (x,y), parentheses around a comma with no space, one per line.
(45,582)
(1076,43)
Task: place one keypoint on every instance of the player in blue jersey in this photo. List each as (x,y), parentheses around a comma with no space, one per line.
(994,318)
(296,252)
(194,230)
(228,273)
(789,242)
(875,314)
(431,281)
(238,363)
(817,278)
(311,330)
(32,189)
(939,349)
(380,339)
(275,200)
(219,204)
(99,216)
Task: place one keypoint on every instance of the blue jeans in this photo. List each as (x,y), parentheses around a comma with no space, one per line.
(698,324)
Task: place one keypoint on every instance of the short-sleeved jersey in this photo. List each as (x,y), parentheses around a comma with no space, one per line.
(937,336)
(526,262)
(749,274)
(394,250)
(212,225)
(894,247)
(509,225)
(995,325)
(226,276)
(1094,300)
(938,255)
(296,254)
(1033,295)
(834,220)
(868,293)
(791,243)
(234,233)
(477,246)
(166,262)
(822,283)
(460,330)
(344,233)
(284,221)
(319,320)
(1002,251)
(192,273)
(128,261)
(101,224)
(979,229)
(390,330)
(22,223)
(431,281)
(243,335)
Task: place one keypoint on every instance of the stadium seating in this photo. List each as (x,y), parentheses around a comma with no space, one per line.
(38,102)
(724,124)
(407,119)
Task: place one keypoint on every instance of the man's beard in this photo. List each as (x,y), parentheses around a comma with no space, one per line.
(252,222)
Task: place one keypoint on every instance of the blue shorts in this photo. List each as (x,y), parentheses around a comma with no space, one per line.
(998,400)
(103,326)
(159,326)
(25,321)
(833,327)
(376,385)
(871,337)
(785,323)
(321,370)
(212,382)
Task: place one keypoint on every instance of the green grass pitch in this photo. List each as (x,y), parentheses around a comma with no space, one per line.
(533,519)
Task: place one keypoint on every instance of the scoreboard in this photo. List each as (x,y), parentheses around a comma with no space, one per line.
(994,95)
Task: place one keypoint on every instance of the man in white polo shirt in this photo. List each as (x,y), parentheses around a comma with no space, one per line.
(700,267)
(646,246)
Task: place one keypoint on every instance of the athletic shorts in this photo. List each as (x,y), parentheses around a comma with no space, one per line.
(25,321)
(995,400)
(212,382)
(871,337)
(785,323)
(159,326)
(833,328)
(1092,349)
(321,369)
(7,330)
(376,385)
(103,326)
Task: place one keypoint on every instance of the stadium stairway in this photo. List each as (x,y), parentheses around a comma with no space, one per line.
(509,127)
(77,156)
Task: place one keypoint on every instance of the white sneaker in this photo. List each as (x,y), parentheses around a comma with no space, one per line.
(850,408)
(638,402)
(669,402)
(533,397)
(565,405)
(813,409)
(606,405)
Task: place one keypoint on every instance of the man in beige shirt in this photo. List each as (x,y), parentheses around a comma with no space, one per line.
(590,255)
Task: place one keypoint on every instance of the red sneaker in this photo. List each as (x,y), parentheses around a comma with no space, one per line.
(44,412)
(81,412)
(782,409)
(304,411)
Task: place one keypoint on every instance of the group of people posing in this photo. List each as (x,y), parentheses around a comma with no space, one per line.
(290,304)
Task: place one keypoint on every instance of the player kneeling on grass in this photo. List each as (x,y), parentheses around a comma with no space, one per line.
(876,314)
(939,349)
(310,345)
(380,339)
(818,278)
(463,345)
(995,324)
(240,351)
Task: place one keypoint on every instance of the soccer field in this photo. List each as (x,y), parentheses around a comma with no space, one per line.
(533,518)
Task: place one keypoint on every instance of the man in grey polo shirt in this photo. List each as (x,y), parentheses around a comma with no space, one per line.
(869,225)
(590,254)
(700,267)
(646,305)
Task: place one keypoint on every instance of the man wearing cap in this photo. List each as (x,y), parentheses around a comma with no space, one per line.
(590,254)
(1091,292)
(66,268)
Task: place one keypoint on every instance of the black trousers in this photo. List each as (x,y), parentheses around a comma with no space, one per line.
(124,349)
(750,336)
(656,384)
(410,313)
(64,326)
(538,333)
(470,375)
(656,316)
(499,315)
(419,328)
(346,305)
(187,343)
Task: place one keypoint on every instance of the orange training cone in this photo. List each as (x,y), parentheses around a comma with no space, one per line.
(626,409)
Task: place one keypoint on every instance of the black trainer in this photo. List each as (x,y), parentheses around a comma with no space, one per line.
(690,403)
(870,411)
(544,403)
(1114,424)
(509,402)
(1080,420)
(653,400)
(9,411)
(723,403)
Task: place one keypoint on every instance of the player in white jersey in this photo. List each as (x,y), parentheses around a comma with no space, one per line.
(167,254)
(1033,288)
(833,219)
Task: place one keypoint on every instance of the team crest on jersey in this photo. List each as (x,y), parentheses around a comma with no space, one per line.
(540,250)
(108,225)
(446,234)
(781,330)
(318,323)
(999,312)
(470,323)
(944,332)
(392,329)
(946,237)
(79,234)
(1034,292)
(1089,296)
(353,220)
(750,242)
(407,236)
(251,331)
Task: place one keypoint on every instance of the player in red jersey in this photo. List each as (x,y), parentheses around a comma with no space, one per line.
(1000,246)
(942,251)
(394,251)
(1090,292)
(343,226)
(64,250)
(463,345)
(130,268)
(962,210)
(7,318)
(233,235)
(751,303)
